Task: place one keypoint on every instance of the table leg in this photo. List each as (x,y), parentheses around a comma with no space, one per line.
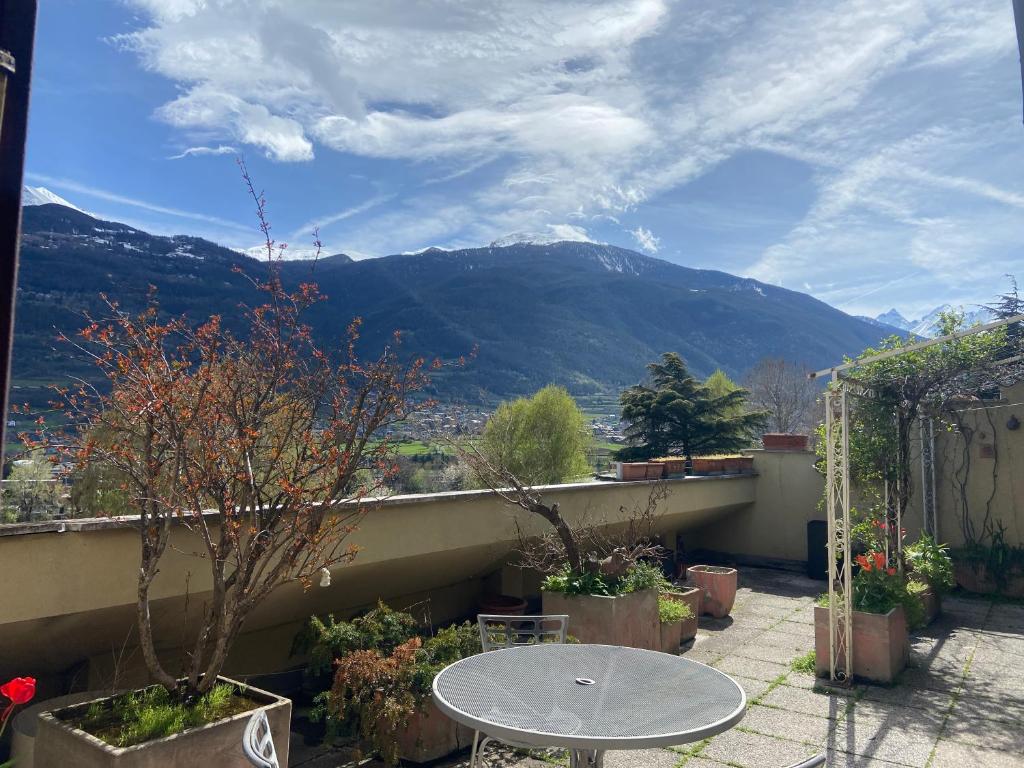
(586,758)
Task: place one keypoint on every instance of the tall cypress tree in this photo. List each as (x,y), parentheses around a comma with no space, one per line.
(677,414)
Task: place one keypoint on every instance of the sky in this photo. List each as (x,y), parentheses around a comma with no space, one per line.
(868,153)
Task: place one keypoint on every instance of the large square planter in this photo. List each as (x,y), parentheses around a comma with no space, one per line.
(932,602)
(59,744)
(975,577)
(671,634)
(718,587)
(880,644)
(431,735)
(692,596)
(630,620)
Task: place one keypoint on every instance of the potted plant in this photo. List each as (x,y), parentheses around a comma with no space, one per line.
(930,563)
(384,698)
(608,609)
(195,422)
(693,597)
(672,615)
(674,466)
(879,631)
(718,588)
(638,470)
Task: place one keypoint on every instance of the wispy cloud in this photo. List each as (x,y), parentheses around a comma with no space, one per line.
(323,222)
(111,197)
(223,149)
(645,239)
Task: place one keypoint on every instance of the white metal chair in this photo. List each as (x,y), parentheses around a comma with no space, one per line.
(258,742)
(507,632)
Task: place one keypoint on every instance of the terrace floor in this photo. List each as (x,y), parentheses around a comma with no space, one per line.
(960,703)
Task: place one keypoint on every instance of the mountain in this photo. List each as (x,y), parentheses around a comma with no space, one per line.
(43,196)
(584,315)
(928,325)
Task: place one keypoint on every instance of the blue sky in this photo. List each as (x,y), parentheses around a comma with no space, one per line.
(871,154)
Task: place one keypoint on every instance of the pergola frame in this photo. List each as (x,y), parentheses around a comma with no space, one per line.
(844,387)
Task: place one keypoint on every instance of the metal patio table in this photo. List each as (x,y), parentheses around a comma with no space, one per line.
(589,698)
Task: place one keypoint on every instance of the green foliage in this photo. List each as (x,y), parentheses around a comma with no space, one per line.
(678,415)
(912,602)
(804,664)
(931,562)
(670,610)
(153,713)
(325,640)
(999,559)
(30,492)
(720,385)
(640,576)
(877,587)
(541,439)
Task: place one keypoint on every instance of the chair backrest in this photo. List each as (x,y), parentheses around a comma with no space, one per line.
(507,631)
(258,742)
(810,762)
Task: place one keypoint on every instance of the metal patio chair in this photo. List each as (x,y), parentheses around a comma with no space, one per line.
(258,742)
(810,762)
(497,632)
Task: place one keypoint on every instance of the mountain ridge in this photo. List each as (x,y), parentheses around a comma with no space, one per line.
(585,315)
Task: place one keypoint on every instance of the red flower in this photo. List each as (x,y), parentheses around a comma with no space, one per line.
(891,571)
(20,690)
(879,559)
(863,562)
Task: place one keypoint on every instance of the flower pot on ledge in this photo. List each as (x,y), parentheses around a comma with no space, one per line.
(630,619)
(673,467)
(784,441)
(639,470)
(722,465)
(59,744)
(718,588)
(880,644)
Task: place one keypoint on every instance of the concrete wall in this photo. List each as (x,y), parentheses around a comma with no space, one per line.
(67,602)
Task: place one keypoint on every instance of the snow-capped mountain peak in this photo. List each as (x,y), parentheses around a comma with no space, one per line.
(928,325)
(894,318)
(526,238)
(43,196)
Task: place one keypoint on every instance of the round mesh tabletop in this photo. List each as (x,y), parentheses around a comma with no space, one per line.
(589,696)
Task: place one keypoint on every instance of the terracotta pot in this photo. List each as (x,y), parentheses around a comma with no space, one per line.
(502,605)
(701,465)
(671,637)
(784,441)
(638,470)
(688,631)
(431,735)
(59,744)
(674,466)
(932,602)
(880,644)
(691,595)
(718,586)
(630,620)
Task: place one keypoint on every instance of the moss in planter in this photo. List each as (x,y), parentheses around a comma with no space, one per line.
(153,713)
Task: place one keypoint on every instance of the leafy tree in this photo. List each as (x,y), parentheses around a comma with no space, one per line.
(719,385)
(30,489)
(541,439)
(785,393)
(675,414)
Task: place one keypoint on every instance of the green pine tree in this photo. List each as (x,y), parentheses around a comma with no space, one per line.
(676,414)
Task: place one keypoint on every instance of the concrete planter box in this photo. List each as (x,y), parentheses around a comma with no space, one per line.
(671,637)
(932,602)
(781,441)
(639,470)
(974,577)
(630,620)
(59,744)
(431,735)
(718,587)
(880,644)
(692,596)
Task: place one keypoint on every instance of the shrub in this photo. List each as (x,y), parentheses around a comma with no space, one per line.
(639,576)
(913,605)
(931,562)
(670,610)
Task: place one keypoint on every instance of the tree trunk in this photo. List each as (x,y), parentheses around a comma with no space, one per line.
(145,623)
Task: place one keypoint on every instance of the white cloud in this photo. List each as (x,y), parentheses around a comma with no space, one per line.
(196,151)
(645,239)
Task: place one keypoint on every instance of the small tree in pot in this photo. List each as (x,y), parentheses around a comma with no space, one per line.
(263,445)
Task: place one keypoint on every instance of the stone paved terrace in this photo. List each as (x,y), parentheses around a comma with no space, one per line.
(959,705)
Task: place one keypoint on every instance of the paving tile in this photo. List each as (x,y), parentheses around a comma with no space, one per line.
(799,643)
(899,738)
(752,750)
(755,650)
(904,696)
(942,679)
(837,759)
(806,702)
(641,758)
(953,754)
(759,670)
(990,734)
(1001,708)
(798,628)
(753,688)
(783,724)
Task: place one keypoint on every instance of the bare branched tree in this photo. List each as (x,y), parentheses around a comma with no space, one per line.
(783,390)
